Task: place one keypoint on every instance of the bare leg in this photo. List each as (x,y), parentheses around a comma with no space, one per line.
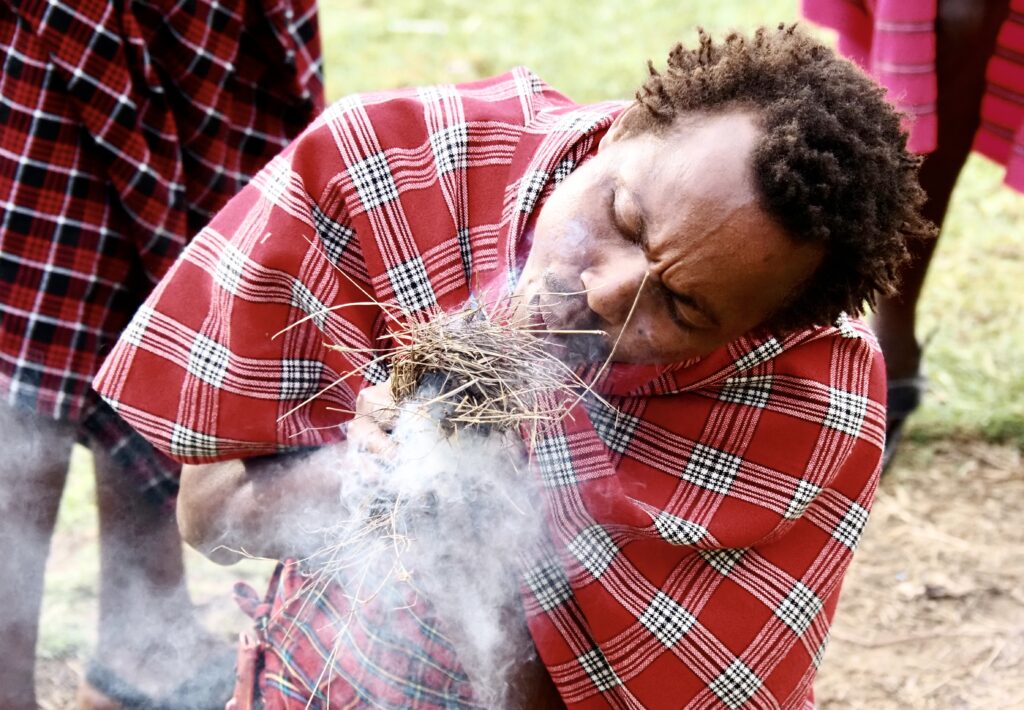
(33,466)
(965,33)
(149,635)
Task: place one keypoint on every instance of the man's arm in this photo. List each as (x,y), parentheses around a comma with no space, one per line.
(270,506)
(278,506)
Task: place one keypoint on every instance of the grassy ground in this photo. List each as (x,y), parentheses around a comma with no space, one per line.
(973,304)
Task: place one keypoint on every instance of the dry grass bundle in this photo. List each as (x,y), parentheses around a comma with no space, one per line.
(480,368)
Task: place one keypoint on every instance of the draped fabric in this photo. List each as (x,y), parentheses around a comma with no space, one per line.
(699,522)
(894,40)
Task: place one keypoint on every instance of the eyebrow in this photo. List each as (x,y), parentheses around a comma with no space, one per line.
(693,301)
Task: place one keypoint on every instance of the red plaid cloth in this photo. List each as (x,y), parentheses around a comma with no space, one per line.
(126,127)
(895,41)
(699,531)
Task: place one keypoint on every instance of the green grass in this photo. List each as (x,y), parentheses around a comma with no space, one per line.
(593,50)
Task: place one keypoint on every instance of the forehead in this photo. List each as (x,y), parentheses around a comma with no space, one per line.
(702,157)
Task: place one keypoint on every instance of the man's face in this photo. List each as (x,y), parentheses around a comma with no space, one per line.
(659,241)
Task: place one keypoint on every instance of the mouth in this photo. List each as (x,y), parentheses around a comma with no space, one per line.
(573,333)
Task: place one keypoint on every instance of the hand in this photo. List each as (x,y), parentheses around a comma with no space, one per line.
(375,418)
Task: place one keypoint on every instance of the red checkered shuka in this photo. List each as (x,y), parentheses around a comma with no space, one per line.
(126,126)
(895,41)
(699,529)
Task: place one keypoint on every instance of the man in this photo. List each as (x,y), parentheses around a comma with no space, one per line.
(125,127)
(716,230)
(956,67)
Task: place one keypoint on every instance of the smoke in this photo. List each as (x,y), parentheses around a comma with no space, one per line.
(448,518)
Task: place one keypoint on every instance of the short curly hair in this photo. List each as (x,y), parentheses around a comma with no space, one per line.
(831,164)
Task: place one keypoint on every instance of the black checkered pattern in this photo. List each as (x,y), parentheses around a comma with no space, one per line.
(667,620)
(846,411)
(803,495)
(333,235)
(849,528)
(594,549)
(549,584)
(722,560)
(530,188)
(303,299)
(376,372)
(819,655)
(764,352)
(137,326)
(451,149)
(300,378)
(466,253)
(753,391)
(679,531)
(208,360)
(563,169)
(599,670)
(229,268)
(188,442)
(736,684)
(615,428)
(799,608)
(555,461)
(412,286)
(711,468)
(373,181)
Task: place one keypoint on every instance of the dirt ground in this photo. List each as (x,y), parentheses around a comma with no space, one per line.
(932,615)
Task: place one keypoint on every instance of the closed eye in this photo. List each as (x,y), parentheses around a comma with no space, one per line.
(627,218)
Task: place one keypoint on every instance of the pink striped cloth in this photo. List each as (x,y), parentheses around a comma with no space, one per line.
(895,41)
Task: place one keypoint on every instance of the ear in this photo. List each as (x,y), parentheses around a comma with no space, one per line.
(617,131)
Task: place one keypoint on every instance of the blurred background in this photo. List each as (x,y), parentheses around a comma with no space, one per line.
(932,615)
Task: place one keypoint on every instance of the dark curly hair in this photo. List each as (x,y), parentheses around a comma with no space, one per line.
(831,165)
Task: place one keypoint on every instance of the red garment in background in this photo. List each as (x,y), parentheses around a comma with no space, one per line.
(894,40)
(699,529)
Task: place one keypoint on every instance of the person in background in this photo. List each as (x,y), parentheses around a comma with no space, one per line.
(125,127)
(956,69)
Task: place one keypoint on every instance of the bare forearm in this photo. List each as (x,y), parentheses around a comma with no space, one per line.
(269,507)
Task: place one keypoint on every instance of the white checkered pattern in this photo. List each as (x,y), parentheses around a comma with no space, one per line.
(304,300)
(803,495)
(736,684)
(451,149)
(188,442)
(819,655)
(373,181)
(679,531)
(711,468)
(850,527)
(599,670)
(137,326)
(466,252)
(530,188)
(300,378)
(799,608)
(563,169)
(229,268)
(845,411)
(555,461)
(412,286)
(614,427)
(764,352)
(667,620)
(208,360)
(549,584)
(333,235)
(753,391)
(595,549)
(722,560)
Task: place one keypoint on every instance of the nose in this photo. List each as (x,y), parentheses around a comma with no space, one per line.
(613,284)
